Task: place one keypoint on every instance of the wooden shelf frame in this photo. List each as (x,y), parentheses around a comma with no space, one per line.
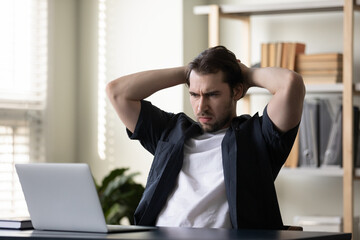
(243,12)
(332,171)
(274,8)
(314,88)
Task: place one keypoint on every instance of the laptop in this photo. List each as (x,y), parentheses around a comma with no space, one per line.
(63,197)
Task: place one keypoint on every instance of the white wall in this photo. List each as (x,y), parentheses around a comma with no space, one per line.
(86,84)
(143,40)
(60,114)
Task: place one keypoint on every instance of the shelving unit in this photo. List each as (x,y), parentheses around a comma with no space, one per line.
(348,89)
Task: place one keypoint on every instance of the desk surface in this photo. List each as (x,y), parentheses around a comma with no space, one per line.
(178,234)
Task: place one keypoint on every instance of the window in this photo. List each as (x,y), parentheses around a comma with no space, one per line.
(23,77)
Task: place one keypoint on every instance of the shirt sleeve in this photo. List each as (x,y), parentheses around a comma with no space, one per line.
(151,123)
(279,143)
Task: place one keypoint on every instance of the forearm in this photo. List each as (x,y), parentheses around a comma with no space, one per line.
(273,79)
(138,86)
(125,93)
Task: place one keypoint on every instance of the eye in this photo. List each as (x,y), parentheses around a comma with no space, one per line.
(212,94)
(194,95)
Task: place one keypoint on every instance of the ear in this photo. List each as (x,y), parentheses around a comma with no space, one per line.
(238,92)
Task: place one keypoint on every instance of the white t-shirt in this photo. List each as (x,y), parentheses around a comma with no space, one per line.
(199,198)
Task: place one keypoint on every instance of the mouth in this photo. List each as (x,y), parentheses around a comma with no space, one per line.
(204,119)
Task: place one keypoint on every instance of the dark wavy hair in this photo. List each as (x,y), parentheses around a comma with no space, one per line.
(216,59)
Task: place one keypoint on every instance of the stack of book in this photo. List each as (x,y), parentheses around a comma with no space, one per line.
(320,68)
(280,54)
(16,223)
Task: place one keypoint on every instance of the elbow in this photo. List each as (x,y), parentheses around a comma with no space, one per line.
(113,90)
(297,85)
(301,86)
(110,89)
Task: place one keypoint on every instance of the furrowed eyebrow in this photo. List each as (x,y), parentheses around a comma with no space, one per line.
(206,94)
(212,93)
(193,94)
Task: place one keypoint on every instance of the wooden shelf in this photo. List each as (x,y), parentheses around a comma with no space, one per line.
(325,88)
(310,88)
(332,171)
(274,8)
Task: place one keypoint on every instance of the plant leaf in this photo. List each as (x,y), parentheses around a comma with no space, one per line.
(119,195)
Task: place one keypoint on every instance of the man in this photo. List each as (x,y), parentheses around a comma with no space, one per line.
(218,171)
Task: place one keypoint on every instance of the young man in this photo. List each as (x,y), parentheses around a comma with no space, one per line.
(218,171)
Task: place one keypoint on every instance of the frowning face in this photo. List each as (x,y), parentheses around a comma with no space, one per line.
(212,101)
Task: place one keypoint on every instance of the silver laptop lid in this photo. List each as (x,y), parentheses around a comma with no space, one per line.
(61,196)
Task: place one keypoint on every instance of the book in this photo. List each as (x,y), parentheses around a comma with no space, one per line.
(330,131)
(320,72)
(278,56)
(294,49)
(309,134)
(272,54)
(318,65)
(264,55)
(321,79)
(285,52)
(323,62)
(319,57)
(16,223)
(320,68)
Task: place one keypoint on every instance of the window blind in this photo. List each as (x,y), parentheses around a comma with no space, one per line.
(23,78)
(106,115)
(14,148)
(101,79)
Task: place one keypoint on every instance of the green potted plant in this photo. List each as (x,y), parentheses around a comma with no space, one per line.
(119,196)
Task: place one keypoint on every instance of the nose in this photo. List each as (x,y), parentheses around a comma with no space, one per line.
(202,105)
